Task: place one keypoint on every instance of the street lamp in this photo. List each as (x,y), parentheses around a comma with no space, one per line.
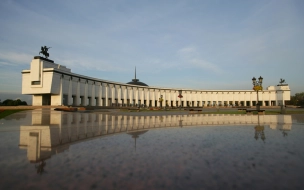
(180,96)
(257,86)
(161,101)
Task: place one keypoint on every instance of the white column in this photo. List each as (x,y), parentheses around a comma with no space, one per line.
(78,93)
(92,91)
(269,99)
(112,94)
(98,94)
(128,95)
(123,95)
(135,89)
(147,92)
(119,94)
(57,99)
(86,88)
(131,94)
(152,96)
(106,94)
(102,94)
(70,100)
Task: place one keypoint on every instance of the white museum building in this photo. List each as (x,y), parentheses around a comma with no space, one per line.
(53,84)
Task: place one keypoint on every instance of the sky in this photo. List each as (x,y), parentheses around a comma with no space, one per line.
(193,44)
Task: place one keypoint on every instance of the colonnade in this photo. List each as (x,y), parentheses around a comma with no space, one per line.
(85,92)
(53,84)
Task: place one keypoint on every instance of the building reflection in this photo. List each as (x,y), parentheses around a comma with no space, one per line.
(52,132)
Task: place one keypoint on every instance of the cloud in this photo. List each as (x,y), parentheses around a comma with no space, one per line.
(191,56)
(187,50)
(205,65)
(13,58)
(81,63)
(4,62)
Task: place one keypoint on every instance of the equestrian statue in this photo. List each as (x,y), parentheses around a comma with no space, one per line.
(44,51)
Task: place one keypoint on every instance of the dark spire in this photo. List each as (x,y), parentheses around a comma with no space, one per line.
(135,72)
(135,81)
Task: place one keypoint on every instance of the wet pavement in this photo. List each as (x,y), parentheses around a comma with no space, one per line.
(46,149)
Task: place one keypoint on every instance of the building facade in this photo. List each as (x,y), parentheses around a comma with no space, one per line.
(53,84)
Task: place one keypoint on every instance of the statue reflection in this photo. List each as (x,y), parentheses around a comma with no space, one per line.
(40,167)
(284,133)
(282,125)
(52,132)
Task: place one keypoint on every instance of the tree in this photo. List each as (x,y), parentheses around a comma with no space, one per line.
(10,102)
(297,99)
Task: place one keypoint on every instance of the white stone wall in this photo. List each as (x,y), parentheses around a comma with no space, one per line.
(53,83)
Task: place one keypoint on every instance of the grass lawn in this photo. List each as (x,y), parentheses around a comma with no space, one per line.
(224,112)
(267,112)
(288,112)
(4,113)
(148,110)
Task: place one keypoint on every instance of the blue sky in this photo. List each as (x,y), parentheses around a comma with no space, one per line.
(214,44)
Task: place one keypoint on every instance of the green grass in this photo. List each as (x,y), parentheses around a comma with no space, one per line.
(287,112)
(224,112)
(4,113)
(267,112)
(145,110)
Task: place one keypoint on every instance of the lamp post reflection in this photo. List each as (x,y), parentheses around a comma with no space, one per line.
(259,131)
(180,121)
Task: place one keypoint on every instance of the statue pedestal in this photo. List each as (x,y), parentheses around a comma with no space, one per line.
(45,59)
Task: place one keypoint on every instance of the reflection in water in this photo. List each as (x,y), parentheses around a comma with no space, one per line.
(259,131)
(53,132)
(284,132)
(136,134)
(40,167)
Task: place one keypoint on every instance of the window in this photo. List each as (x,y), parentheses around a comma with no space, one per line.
(35,82)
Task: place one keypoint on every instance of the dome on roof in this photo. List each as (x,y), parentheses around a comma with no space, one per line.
(136,81)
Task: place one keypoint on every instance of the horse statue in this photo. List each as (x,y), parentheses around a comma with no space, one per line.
(44,51)
(282,81)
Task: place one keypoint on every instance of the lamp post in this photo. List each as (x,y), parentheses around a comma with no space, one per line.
(257,86)
(180,96)
(161,101)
